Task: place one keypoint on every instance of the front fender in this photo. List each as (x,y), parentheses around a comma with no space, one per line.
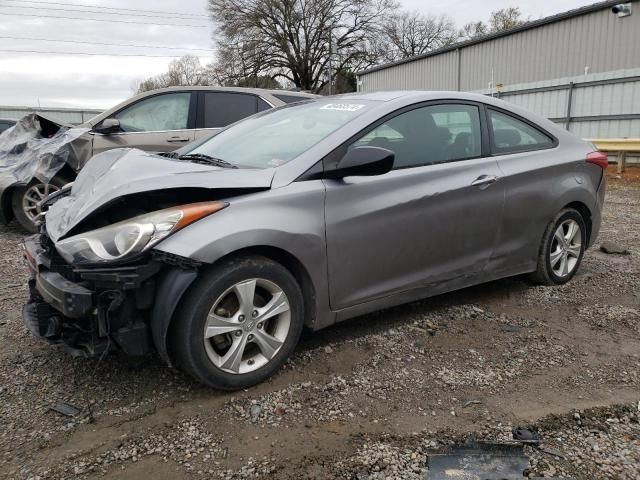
(290,219)
(170,290)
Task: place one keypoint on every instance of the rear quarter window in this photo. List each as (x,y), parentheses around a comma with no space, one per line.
(511,134)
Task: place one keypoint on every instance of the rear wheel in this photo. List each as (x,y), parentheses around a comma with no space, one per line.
(562,248)
(24,201)
(238,324)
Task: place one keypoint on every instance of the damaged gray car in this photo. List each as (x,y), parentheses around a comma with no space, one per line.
(305,216)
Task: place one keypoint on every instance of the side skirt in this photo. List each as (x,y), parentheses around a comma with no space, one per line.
(421,293)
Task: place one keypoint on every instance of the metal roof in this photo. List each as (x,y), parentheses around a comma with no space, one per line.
(526,26)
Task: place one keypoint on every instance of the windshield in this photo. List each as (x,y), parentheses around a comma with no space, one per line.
(278,136)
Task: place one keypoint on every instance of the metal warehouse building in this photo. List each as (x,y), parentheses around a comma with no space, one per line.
(580,68)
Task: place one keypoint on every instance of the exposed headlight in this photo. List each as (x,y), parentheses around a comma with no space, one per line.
(130,237)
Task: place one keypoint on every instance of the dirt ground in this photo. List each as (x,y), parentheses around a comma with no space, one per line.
(368,399)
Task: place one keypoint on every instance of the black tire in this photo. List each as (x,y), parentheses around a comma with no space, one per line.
(544,273)
(17,202)
(187,328)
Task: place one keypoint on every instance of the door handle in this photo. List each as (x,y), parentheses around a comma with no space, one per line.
(484,180)
(177,139)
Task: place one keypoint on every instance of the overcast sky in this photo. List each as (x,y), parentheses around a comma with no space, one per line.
(100,81)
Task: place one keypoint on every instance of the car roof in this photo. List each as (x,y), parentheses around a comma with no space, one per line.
(415,95)
(257,91)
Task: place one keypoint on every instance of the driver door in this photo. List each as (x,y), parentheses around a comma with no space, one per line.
(434,218)
(160,123)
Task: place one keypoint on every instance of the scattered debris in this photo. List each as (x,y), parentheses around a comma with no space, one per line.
(525,435)
(478,461)
(613,248)
(66,409)
(552,451)
(254,412)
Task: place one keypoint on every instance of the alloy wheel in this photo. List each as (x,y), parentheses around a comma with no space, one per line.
(566,247)
(247,326)
(33,196)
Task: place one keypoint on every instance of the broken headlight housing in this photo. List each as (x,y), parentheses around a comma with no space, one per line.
(130,237)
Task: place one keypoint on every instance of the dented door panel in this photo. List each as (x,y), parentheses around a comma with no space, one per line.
(410,228)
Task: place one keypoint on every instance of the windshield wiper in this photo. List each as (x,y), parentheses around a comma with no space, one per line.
(207,160)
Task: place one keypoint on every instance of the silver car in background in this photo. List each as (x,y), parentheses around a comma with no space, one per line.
(308,215)
(159,120)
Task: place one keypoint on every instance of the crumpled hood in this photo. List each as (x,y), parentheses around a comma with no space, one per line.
(38,146)
(126,171)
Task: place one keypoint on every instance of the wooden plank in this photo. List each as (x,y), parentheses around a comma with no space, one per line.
(629,145)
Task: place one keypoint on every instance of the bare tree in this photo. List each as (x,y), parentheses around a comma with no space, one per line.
(297,40)
(499,21)
(182,71)
(240,63)
(473,30)
(411,33)
(505,18)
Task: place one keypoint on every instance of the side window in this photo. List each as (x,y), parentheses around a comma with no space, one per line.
(513,135)
(169,111)
(222,108)
(428,135)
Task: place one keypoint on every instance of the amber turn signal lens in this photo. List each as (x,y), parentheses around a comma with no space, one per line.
(196,211)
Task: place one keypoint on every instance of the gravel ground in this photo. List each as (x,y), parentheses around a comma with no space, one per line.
(368,399)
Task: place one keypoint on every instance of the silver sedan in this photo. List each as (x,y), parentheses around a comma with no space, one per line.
(308,215)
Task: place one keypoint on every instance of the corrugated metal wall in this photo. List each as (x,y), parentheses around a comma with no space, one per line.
(598,40)
(65,115)
(603,105)
(439,73)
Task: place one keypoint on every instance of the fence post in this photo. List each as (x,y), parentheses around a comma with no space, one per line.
(569,102)
(622,158)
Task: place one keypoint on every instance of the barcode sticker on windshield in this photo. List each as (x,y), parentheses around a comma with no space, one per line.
(343,107)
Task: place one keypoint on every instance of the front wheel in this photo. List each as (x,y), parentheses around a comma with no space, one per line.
(238,324)
(562,248)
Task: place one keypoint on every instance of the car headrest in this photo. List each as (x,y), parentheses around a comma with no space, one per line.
(444,134)
(463,139)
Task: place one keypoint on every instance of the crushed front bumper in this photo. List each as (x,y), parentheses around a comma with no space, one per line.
(88,311)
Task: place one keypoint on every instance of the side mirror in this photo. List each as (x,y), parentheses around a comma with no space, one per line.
(365,162)
(108,125)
